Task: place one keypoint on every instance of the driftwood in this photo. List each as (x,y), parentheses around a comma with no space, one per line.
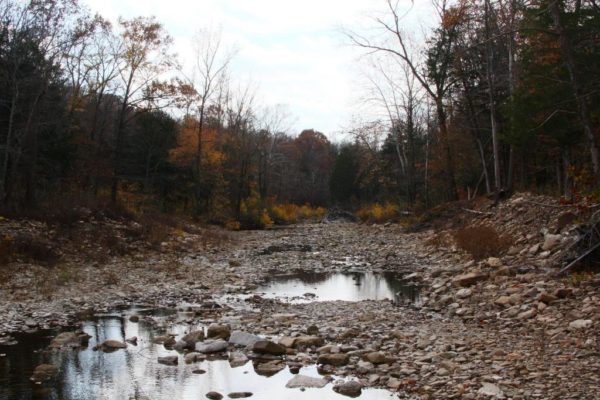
(585,246)
(477,212)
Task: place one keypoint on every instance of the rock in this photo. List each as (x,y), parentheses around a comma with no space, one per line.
(70,340)
(336,360)
(551,241)
(564,220)
(307,341)
(350,389)
(375,357)
(469,279)
(44,372)
(193,357)
(533,250)
(464,293)
(494,262)
(268,347)
(562,293)
(243,339)
(134,318)
(491,390)
(112,345)
(503,301)
(168,341)
(269,368)
(581,324)
(527,314)
(287,341)
(193,337)
(132,340)
(214,396)
(312,330)
(303,381)
(217,331)
(237,359)
(168,360)
(239,395)
(212,346)
(546,298)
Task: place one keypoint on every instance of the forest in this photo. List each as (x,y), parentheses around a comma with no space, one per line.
(500,96)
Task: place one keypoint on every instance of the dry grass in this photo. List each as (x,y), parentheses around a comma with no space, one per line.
(482,241)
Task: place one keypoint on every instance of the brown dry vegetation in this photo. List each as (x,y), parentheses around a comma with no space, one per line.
(482,241)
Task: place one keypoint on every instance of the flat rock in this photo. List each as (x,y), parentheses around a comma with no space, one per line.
(303,381)
(243,339)
(469,279)
(168,360)
(580,324)
(239,395)
(214,396)
(491,390)
(212,346)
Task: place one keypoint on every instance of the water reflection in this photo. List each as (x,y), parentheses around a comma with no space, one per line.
(348,286)
(134,373)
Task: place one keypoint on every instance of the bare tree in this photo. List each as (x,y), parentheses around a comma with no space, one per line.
(208,81)
(436,83)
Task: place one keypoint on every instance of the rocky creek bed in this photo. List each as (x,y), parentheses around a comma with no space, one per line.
(499,328)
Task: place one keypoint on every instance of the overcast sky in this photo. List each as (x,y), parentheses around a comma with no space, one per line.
(292,51)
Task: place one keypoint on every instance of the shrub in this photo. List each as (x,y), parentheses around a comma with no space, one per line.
(36,249)
(233,225)
(378,213)
(284,213)
(481,241)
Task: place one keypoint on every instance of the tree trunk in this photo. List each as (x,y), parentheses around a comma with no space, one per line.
(443,127)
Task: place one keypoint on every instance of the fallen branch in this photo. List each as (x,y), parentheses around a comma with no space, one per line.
(578,259)
(478,212)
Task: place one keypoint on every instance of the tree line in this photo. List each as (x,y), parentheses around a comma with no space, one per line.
(501,95)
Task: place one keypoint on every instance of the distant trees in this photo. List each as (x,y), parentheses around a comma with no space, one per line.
(500,95)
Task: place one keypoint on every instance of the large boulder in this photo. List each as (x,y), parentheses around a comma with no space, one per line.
(303,381)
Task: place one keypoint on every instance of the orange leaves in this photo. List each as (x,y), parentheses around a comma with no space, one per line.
(187,145)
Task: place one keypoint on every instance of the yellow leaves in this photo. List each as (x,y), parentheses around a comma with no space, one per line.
(291,213)
(378,213)
(232,225)
(265,219)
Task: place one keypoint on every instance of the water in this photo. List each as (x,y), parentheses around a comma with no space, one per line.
(349,286)
(134,373)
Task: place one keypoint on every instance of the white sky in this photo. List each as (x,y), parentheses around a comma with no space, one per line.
(291,50)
